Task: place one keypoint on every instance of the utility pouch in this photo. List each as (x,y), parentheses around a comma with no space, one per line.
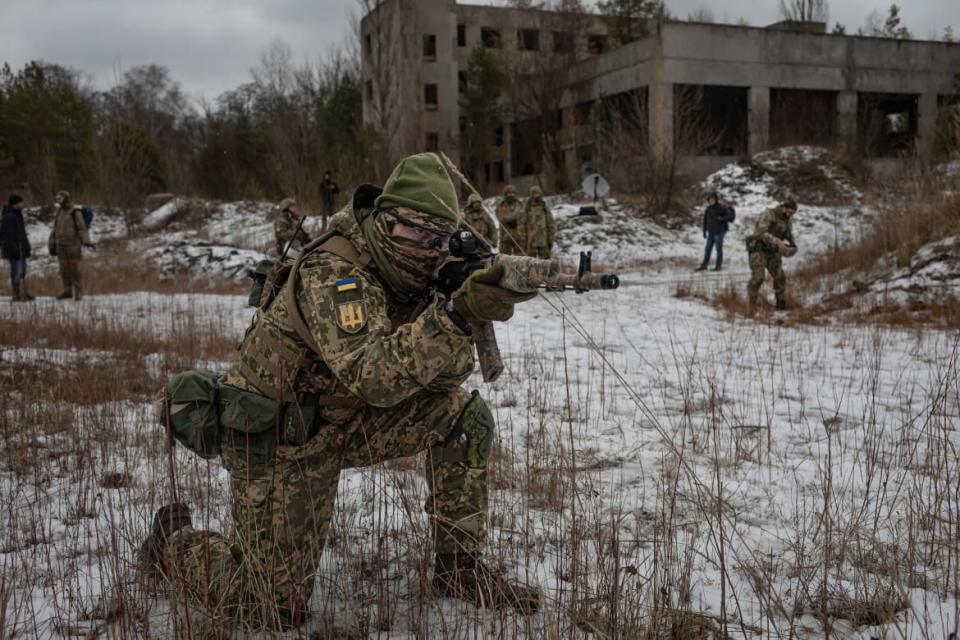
(249,424)
(190,409)
(297,423)
(259,276)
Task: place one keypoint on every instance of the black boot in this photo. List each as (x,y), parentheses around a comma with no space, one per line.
(169,518)
(465,577)
(718,268)
(702,267)
(782,305)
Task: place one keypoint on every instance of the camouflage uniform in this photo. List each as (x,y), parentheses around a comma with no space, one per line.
(70,234)
(509,212)
(773,227)
(478,221)
(385,379)
(537,229)
(285,224)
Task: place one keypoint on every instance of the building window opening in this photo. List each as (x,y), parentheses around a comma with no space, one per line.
(490,38)
(461,35)
(582,113)
(367,44)
(947,143)
(596,44)
(369,89)
(710,120)
(802,116)
(498,137)
(429,47)
(462,81)
(558,119)
(430,96)
(433,142)
(887,123)
(528,40)
(498,173)
(526,145)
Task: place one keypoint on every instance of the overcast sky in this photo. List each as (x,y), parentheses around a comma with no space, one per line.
(210,45)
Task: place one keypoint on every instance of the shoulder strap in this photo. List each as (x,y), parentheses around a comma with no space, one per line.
(329,243)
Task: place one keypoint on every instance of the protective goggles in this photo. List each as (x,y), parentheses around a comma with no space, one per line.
(414,231)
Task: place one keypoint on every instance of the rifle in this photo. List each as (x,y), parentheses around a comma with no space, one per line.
(290,243)
(521,274)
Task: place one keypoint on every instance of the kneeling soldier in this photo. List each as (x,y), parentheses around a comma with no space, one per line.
(365,363)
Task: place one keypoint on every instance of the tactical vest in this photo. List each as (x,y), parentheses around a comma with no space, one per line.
(290,368)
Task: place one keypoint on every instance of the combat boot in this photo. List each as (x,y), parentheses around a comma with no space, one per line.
(465,577)
(169,518)
(702,267)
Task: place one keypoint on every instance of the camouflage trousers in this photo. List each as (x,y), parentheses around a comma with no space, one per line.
(68,259)
(760,263)
(509,239)
(262,575)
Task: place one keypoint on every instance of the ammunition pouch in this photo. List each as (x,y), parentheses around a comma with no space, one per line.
(190,411)
(254,424)
(477,424)
(205,415)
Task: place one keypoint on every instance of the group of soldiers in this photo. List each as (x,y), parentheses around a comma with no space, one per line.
(526,228)
(66,241)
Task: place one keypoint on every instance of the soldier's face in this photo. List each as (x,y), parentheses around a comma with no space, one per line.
(402,228)
(58,200)
(789,212)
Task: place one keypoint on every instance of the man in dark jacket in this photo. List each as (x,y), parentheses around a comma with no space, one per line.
(15,246)
(330,190)
(716,220)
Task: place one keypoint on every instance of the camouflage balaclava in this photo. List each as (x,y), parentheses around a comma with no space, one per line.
(418,192)
(475,201)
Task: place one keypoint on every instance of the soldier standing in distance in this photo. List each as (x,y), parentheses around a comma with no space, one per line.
(286,221)
(478,221)
(771,239)
(330,190)
(537,229)
(69,235)
(378,359)
(508,213)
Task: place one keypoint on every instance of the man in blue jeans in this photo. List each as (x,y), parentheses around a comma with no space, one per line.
(716,220)
(15,246)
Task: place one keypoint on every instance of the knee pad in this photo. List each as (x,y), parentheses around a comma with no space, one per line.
(476,423)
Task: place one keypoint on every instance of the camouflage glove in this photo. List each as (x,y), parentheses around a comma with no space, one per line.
(481,299)
(784,249)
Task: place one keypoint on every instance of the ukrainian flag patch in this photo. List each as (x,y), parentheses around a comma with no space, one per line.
(347,284)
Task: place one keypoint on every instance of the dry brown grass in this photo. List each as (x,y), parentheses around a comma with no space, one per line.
(112,269)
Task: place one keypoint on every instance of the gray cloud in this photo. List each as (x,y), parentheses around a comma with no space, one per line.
(210,45)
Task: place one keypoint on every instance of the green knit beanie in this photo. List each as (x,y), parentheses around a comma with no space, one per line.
(420,182)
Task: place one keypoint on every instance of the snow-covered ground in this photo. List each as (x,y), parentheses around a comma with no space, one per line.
(749,433)
(654,456)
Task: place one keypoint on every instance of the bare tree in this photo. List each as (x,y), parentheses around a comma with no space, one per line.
(805,10)
(702,14)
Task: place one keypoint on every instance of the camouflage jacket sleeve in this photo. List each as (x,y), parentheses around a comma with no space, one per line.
(764,230)
(346,311)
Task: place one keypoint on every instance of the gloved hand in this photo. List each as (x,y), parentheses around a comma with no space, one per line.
(783,248)
(481,299)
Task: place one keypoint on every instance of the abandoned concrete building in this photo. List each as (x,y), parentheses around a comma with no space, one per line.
(576,99)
